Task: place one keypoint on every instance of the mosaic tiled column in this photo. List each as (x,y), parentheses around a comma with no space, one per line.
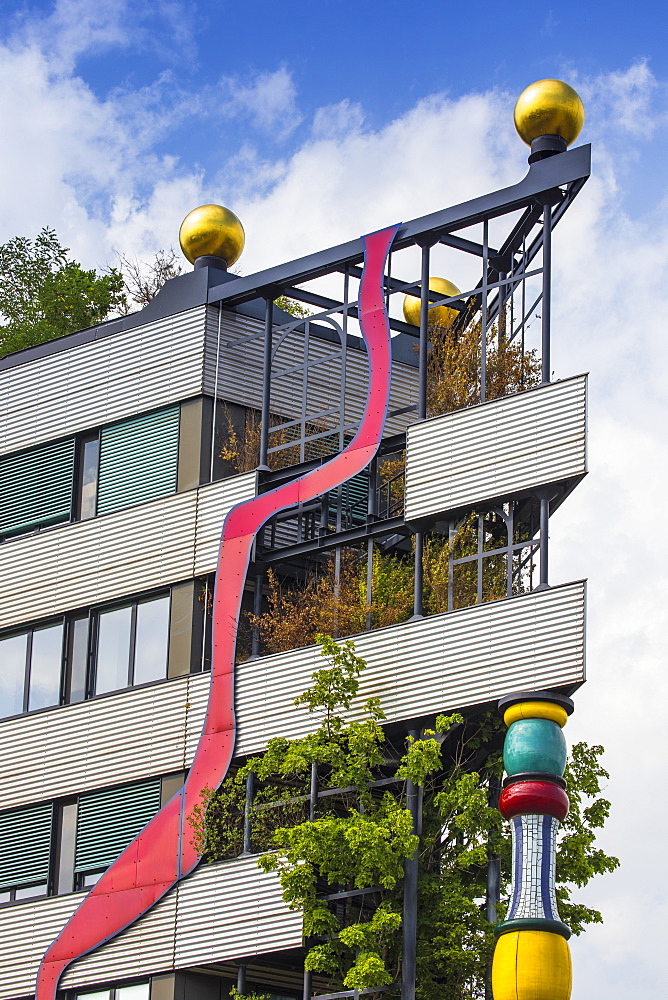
(532,959)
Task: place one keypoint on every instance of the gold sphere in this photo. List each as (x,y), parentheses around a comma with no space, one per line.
(438,315)
(549,107)
(212,230)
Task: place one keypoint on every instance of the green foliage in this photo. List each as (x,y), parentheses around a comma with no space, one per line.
(292,307)
(361,835)
(44,295)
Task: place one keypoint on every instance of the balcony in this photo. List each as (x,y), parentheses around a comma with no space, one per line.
(498,450)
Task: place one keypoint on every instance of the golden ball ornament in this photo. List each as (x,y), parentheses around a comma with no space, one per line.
(549,107)
(438,315)
(212,230)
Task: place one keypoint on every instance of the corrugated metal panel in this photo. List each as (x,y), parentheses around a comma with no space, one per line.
(497,449)
(122,737)
(138,460)
(102,381)
(143,949)
(221,911)
(36,487)
(213,504)
(240,374)
(25,845)
(461,658)
(118,554)
(108,820)
(435,664)
(26,931)
(232,909)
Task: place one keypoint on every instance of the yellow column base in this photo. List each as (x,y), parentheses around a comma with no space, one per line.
(531,965)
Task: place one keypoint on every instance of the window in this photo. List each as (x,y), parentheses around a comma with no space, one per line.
(132,644)
(107,821)
(30,678)
(81,655)
(104,470)
(25,851)
(61,847)
(36,488)
(134,991)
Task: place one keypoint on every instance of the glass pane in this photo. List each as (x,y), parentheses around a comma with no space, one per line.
(113,650)
(12,674)
(104,995)
(31,890)
(45,667)
(78,659)
(90,462)
(152,640)
(139,991)
(68,831)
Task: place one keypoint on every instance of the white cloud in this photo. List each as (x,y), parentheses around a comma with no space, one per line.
(269,101)
(88,167)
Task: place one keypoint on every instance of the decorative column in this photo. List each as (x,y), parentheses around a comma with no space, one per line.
(532,959)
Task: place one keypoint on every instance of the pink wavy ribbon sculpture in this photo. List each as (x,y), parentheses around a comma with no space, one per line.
(161,855)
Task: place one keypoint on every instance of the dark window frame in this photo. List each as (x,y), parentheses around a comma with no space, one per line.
(68,621)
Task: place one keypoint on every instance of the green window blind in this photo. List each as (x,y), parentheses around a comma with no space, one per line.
(138,460)
(108,821)
(25,845)
(36,487)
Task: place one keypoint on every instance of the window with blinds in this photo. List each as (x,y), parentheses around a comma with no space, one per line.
(36,488)
(138,460)
(107,821)
(25,846)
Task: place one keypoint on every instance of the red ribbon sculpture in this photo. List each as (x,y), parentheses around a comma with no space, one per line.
(162,853)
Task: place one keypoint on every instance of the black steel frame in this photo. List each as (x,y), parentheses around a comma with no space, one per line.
(505,296)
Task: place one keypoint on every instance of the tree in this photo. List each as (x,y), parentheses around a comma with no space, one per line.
(362,834)
(143,280)
(44,295)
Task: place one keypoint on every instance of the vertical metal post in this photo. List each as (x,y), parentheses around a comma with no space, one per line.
(372,510)
(266,382)
(418,571)
(409,923)
(248,805)
(502,308)
(312,802)
(424,335)
(483,315)
(422,412)
(241,978)
(257,611)
(493,860)
(493,877)
(313,794)
(544,539)
(547,294)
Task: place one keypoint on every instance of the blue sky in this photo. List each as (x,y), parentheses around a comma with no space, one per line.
(317,122)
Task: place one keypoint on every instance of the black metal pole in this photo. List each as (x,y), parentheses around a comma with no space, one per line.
(418,572)
(312,802)
(248,805)
(544,539)
(493,877)
(409,923)
(424,335)
(483,314)
(241,979)
(547,294)
(266,383)
(257,611)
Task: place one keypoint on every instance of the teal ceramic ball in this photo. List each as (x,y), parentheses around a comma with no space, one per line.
(534,745)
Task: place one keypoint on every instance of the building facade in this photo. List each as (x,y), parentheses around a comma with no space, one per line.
(121,450)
